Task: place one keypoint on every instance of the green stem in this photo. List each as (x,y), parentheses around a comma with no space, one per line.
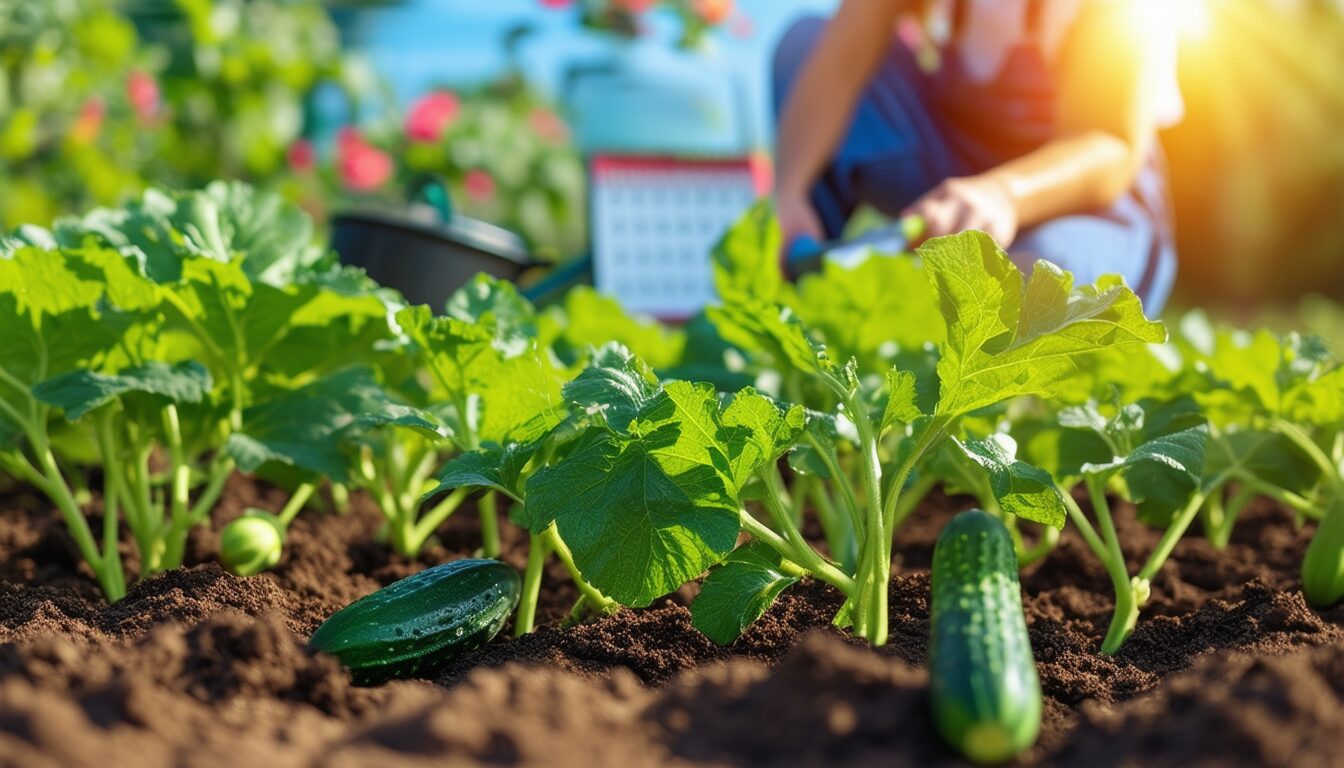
(598,601)
(1293,501)
(1302,440)
(489,512)
(55,487)
(431,520)
(839,478)
(296,501)
(537,552)
(839,533)
(800,553)
(874,562)
(911,498)
(340,497)
(1179,525)
(175,540)
(1221,535)
(1042,548)
(1126,606)
(221,468)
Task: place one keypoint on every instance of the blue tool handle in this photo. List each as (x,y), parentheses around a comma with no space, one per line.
(804,255)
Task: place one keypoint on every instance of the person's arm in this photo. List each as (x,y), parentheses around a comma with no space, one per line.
(821,104)
(1105,127)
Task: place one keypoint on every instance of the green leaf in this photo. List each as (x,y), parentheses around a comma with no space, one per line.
(1161,473)
(902,399)
(309,427)
(1021,489)
(162,231)
(635,533)
(746,258)
(78,392)
(681,428)
(510,391)
(592,320)
(495,304)
(1269,456)
(1004,340)
(766,432)
(615,384)
(494,467)
(866,310)
(737,593)
(772,332)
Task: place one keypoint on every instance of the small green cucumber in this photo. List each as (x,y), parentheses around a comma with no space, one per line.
(1323,565)
(421,621)
(985,693)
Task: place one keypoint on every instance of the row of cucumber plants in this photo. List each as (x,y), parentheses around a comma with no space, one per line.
(182,337)
(160,346)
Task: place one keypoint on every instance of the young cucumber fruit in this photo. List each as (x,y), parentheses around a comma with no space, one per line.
(985,693)
(421,621)
(1323,566)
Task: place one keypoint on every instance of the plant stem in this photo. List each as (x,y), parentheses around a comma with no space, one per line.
(1314,452)
(340,497)
(1179,525)
(874,561)
(55,487)
(839,478)
(1043,547)
(431,520)
(537,552)
(490,543)
(1126,607)
(911,498)
(1222,533)
(221,467)
(175,539)
(296,502)
(839,533)
(801,555)
(598,601)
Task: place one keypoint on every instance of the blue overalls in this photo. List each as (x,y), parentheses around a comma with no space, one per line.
(912,130)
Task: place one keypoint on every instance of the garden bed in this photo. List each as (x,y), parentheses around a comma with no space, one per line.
(198,667)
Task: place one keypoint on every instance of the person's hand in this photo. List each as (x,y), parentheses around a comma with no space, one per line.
(797,219)
(971,202)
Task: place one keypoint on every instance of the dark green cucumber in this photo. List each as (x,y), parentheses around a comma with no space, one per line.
(1323,565)
(984,689)
(421,621)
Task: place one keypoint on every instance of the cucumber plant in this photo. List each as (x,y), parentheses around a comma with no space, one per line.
(149,331)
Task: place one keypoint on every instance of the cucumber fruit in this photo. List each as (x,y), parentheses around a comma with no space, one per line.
(985,693)
(1323,565)
(421,621)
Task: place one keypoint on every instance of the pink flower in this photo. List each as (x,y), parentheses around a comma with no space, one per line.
(301,156)
(548,125)
(89,122)
(431,115)
(633,6)
(479,185)
(556,3)
(743,27)
(363,166)
(143,93)
(712,12)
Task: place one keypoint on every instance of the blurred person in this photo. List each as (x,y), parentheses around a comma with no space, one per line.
(1037,126)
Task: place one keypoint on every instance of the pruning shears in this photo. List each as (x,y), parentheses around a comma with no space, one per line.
(805,254)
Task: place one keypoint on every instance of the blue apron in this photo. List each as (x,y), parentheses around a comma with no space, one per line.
(912,130)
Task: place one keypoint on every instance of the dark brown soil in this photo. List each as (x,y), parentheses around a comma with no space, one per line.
(196,667)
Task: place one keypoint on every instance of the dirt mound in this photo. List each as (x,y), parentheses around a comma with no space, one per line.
(196,667)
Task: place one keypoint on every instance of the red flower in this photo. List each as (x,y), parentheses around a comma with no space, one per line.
(712,12)
(143,93)
(479,185)
(301,156)
(548,125)
(431,115)
(363,166)
(89,122)
(556,3)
